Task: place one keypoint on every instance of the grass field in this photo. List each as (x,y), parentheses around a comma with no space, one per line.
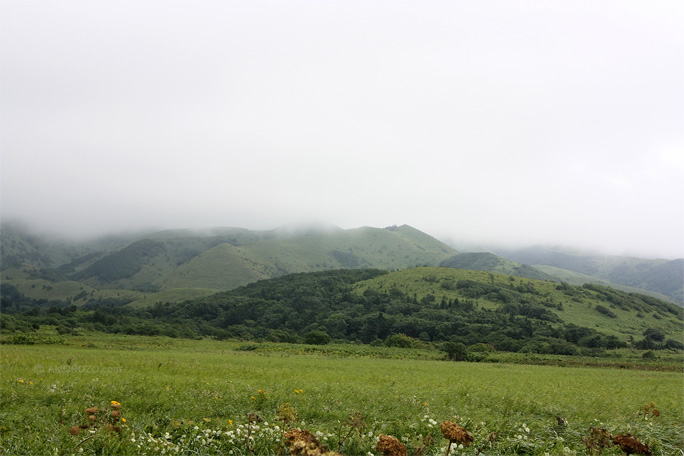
(194,397)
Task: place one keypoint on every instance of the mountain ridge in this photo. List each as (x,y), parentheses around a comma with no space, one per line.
(182,259)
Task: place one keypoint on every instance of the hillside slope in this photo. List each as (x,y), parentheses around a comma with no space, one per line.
(222,258)
(485,261)
(427,304)
(662,276)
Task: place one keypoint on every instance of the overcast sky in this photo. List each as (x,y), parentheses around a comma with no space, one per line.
(521,122)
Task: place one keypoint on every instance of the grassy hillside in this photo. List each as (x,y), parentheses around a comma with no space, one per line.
(662,276)
(19,246)
(485,261)
(222,267)
(154,268)
(413,306)
(390,248)
(227,258)
(632,314)
(576,278)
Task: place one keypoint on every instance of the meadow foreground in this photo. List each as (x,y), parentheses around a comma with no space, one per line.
(100,394)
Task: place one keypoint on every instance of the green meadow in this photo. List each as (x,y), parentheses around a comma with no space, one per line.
(194,397)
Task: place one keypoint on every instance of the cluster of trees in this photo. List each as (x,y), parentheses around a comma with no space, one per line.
(318,307)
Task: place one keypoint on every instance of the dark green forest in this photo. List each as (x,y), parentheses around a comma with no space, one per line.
(324,306)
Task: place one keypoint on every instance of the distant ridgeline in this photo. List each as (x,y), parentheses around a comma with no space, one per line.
(419,305)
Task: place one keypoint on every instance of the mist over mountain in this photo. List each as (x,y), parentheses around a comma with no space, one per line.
(222,258)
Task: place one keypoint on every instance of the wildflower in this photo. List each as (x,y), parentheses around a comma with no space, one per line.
(455,433)
(630,445)
(287,413)
(123,420)
(597,440)
(390,446)
(230,422)
(20,380)
(115,404)
(303,442)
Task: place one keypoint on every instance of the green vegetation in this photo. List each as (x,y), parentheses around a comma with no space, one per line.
(661,276)
(426,305)
(485,261)
(195,397)
(217,259)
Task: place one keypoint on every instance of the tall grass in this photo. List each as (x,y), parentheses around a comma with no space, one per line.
(169,387)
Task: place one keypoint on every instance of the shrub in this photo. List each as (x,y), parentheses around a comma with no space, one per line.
(605,311)
(456,351)
(403,341)
(317,338)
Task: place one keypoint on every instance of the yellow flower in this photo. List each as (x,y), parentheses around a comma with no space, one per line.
(253,398)
(123,420)
(216,397)
(115,403)
(20,380)
(424,404)
(230,422)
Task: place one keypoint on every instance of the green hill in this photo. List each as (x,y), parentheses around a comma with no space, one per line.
(227,258)
(661,276)
(485,261)
(222,267)
(576,278)
(630,314)
(205,260)
(414,306)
